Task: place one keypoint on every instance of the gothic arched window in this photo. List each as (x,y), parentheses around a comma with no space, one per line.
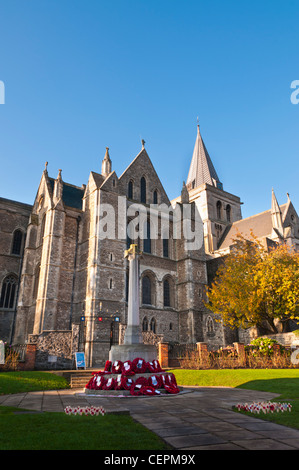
(42,229)
(147,244)
(8,292)
(130,190)
(143,190)
(165,247)
(228,213)
(146,290)
(155,197)
(17,242)
(218,208)
(166,293)
(145,324)
(153,325)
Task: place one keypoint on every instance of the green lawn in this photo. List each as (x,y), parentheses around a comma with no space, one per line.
(18,382)
(54,431)
(285,382)
(58,431)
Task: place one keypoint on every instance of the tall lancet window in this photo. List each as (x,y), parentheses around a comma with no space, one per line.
(143,190)
(17,242)
(228,213)
(218,209)
(130,190)
(147,244)
(8,292)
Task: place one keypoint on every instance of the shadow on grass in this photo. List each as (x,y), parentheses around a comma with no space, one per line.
(287,388)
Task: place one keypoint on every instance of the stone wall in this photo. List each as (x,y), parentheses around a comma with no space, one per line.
(55,349)
(13,216)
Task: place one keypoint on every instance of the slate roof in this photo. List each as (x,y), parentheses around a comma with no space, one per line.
(71,195)
(259,224)
(202,169)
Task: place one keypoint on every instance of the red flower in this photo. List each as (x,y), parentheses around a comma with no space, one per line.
(141,380)
(136,389)
(109,384)
(139,365)
(117,367)
(127,368)
(126,382)
(107,366)
(154,366)
(171,388)
(155,381)
(149,391)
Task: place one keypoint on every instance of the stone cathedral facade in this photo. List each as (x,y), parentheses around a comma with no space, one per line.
(64,285)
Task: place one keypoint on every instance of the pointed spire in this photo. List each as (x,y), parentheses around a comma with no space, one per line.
(58,188)
(201,169)
(106,164)
(276,214)
(184,194)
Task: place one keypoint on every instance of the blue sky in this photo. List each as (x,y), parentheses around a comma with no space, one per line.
(83,75)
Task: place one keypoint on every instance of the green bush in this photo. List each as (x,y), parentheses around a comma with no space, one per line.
(262,346)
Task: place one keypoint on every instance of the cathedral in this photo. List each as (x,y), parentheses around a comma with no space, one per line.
(64,277)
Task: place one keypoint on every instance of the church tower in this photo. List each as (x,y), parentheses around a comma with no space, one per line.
(218,208)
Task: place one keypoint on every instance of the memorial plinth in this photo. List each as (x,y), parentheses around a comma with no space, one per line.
(133,346)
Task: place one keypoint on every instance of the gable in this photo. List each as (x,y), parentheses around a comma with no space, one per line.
(140,167)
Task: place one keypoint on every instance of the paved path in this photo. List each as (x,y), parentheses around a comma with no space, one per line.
(200,418)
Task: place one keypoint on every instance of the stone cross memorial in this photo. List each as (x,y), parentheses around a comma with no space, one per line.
(133,334)
(133,346)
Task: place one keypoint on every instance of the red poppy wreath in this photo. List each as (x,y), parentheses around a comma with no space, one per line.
(154,366)
(117,367)
(155,381)
(126,382)
(139,365)
(109,384)
(127,368)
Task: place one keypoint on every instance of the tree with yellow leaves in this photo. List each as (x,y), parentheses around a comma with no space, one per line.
(256,287)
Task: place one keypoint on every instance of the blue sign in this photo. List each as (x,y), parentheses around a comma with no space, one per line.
(80,360)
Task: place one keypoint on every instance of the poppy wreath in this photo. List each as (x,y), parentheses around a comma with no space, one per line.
(126,382)
(91,383)
(96,382)
(109,384)
(136,389)
(171,388)
(155,381)
(107,366)
(147,390)
(154,366)
(139,365)
(117,367)
(142,380)
(168,379)
(118,383)
(127,368)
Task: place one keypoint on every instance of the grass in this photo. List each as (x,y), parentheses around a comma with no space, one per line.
(19,382)
(284,382)
(58,431)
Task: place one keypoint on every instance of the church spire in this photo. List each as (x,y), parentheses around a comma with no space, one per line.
(106,164)
(201,169)
(276,214)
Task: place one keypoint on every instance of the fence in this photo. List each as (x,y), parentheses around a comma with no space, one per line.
(197,356)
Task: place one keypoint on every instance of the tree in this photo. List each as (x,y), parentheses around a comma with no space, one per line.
(256,287)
